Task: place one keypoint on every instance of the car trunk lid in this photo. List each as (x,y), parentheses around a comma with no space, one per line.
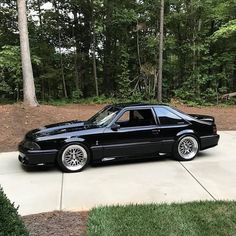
(209,119)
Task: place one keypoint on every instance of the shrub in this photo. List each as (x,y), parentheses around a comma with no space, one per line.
(76,95)
(10,221)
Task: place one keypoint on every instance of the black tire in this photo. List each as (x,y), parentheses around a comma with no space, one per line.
(73,157)
(186,148)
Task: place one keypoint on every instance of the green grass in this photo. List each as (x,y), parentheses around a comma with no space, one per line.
(196,218)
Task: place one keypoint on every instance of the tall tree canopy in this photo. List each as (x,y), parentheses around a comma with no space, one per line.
(83,48)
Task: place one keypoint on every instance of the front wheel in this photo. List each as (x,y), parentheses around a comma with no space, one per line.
(186,148)
(73,158)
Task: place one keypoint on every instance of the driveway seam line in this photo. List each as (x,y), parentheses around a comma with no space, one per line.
(197,181)
(62,186)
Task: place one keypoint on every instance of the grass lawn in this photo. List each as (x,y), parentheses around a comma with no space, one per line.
(195,218)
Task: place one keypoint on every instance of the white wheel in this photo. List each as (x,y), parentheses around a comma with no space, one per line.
(73,158)
(187,148)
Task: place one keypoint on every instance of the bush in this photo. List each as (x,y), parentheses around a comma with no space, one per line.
(10,221)
(76,95)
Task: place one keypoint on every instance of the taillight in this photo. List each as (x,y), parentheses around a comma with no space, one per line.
(214,129)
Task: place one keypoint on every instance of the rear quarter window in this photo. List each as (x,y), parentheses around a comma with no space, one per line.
(167,117)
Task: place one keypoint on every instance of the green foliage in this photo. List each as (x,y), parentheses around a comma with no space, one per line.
(226,31)
(99,100)
(76,95)
(124,84)
(10,221)
(10,69)
(4,87)
(199,52)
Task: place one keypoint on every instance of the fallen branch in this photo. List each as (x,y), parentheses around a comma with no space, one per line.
(228,96)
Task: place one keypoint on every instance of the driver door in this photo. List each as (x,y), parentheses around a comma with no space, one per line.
(136,135)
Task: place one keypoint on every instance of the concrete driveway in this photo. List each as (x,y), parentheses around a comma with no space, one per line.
(211,176)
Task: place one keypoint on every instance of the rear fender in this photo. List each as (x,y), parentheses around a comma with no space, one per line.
(188,132)
(184,132)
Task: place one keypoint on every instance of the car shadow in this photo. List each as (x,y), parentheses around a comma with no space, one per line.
(162,158)
(159,158)
(39,168)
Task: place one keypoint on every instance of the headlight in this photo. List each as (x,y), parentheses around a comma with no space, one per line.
(31,145)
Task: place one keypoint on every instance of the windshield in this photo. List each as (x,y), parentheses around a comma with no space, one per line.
(103,117)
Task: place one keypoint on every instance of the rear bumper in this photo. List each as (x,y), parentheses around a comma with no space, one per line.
(209,141)
(37,157)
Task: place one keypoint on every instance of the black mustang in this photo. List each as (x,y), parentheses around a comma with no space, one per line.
(121,131)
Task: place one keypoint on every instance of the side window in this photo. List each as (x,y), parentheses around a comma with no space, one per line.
(124,118)
(166,117)
(133,118)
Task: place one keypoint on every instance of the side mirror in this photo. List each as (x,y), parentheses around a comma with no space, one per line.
(115,126)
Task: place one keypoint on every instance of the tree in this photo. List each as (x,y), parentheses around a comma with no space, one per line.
(159,86)
(226,35)
(118,42)
(94,51)
(28,79)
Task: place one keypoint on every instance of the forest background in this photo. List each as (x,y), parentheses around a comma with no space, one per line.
(108,49)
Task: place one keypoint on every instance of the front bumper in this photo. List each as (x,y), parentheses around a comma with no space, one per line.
(209,141)
(36,157)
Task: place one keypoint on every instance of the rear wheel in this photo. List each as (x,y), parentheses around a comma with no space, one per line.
(186,148)
(73,158)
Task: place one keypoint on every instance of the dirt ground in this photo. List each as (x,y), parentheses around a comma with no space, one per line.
(57,223)
(16,119)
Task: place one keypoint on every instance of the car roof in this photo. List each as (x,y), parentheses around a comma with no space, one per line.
(126,105)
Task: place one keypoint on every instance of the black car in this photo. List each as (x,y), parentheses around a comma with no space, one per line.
(118,132)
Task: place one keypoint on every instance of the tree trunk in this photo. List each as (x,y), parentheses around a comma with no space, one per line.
(108,82)
(40,16)
(94,65)
(60,46)
(76,69)
(94,51)
(62,74)
(28,79)
(138,47)
(234,75)
(155,82)
(42,89)
(159,88)
(75,35)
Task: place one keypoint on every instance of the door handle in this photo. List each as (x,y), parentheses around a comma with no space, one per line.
(155,131)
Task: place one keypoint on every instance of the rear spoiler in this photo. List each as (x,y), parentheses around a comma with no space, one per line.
(205,118)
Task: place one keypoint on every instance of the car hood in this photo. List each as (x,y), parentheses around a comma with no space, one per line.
(58,128)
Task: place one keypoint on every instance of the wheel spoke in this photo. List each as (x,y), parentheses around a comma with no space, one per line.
(188,147)
(74,157)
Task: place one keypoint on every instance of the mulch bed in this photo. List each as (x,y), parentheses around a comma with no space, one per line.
(58,223)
